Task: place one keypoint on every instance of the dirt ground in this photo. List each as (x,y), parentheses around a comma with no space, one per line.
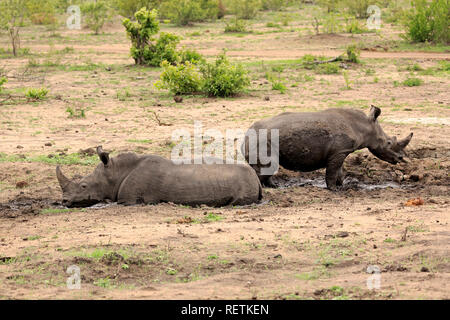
(301,242)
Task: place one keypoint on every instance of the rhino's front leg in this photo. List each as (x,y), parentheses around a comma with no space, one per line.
(334,173)
(340,177)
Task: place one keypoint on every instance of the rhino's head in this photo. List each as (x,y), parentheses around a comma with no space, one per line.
(384,147)
(91,189)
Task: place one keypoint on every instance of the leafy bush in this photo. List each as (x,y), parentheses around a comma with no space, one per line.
(127,8)
(165,49)
(412,82)
(235,25)
(277,84)
(180,79)
(358,7)
(275,5)
(429,21)
(353,53)
(247,9)
(191,55)
(42,12)
(353,26)
(140,32)
(3,80)
(147,50)
(185,12)
(223,78)
(36,94)
(95,15)
(328,68)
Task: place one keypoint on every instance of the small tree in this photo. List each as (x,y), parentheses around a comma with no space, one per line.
(95,15)
(140,32)
(429,21)
(12,17)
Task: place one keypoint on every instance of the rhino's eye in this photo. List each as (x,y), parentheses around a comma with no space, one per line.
(83,186)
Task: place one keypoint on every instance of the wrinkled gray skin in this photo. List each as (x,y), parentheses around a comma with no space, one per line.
(313,140)
(132,179)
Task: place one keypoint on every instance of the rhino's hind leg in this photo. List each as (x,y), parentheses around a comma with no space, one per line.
(334,173)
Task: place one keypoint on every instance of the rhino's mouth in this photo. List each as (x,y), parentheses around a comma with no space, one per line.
(81,204)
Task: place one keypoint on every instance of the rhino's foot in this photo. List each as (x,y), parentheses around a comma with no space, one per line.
(268,183)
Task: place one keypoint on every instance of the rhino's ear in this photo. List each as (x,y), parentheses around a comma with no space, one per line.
(104,156)
(374,113)
(404,142)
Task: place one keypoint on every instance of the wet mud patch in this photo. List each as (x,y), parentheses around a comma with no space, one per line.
(23,205)
(363,171)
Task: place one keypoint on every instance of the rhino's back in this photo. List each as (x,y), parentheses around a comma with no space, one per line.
(211,184)
(307,139)
(156,179)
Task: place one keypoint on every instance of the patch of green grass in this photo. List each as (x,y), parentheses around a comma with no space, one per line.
(77,113)
(212,217)
(213,257)
(313,275)
(103,283)
(412,82)
(389,240)
(171,271)
(139,140)
(31,238)
(73,158)
(36,94)
(54,211)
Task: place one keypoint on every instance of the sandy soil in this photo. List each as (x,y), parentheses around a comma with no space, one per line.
(301,242)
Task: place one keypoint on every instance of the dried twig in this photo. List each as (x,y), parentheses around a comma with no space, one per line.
(158,120)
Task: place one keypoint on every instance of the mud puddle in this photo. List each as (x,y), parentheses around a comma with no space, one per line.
(349,183)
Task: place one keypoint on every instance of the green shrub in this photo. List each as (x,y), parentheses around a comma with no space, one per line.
(412,82)
(235,25)
(95,15)
(147,50)
(353,26)
(353,53)
(358,7)
(185,12)
(191,55)
(127,8)
(140,32)
(328,68)
(429,21)
(275,5)
(42,12)
(247,9)
(36,94)
(331,23)
(223,78)
(165,49)
(3,80)
(183,78)
(277,84)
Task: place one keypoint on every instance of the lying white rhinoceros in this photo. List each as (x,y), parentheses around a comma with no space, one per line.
(132,179)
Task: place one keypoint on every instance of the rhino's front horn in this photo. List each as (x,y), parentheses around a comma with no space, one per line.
(62,179)
(404,142)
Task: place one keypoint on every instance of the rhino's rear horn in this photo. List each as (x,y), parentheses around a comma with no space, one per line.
(104,156)
(404,142)
(62,179)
